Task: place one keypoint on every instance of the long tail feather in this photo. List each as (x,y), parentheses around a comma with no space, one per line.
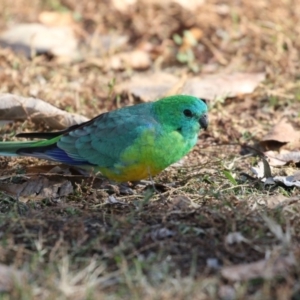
(45,149)
(11,148)
(15,148)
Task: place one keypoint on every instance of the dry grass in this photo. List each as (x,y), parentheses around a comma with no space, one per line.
(172,244)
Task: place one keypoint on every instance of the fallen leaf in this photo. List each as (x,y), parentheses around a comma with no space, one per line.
(13,107)
(266,268)
(153,86)
(10,278)
(54,18)
(190,4)
(292,180)
(281,201)
(263,172)
(283,132)
(275,159)
(282,158)
(223,85)
(137,59)
(38,188)
(149,87)
(37,38)
(123,5)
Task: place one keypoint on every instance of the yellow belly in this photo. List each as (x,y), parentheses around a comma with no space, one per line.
(131,173)
(148,156)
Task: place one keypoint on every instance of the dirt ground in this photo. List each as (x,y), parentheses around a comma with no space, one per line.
(207,228)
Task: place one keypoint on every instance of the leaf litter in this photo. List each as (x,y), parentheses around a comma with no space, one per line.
(35,38)
(154,86)
(38,188)
(207,220)
(13,107)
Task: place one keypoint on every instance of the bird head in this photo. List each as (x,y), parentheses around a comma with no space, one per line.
(186,114)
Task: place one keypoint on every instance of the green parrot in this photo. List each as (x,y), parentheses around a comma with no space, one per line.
(128,144)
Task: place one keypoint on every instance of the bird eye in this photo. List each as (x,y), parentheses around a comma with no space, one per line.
(187,113)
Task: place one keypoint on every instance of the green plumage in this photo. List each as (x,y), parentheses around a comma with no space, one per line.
(126,144)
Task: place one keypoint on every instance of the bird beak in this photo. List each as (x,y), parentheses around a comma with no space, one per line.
(203,121)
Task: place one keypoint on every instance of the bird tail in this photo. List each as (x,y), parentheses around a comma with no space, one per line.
(12,148)
(44,149)
(21,148)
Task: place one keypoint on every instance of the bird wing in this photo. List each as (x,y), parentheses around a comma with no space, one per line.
(102,140)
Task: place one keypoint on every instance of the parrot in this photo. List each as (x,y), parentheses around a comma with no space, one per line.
(128,144)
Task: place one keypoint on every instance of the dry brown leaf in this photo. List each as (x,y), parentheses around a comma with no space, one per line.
(13,107)
(292,180)
(152,86)
(54,18)
(37,38)
(137,59)
(279,200)
(223,85)
(263,172)
(149,87)
(283,132)
(38,188)
(10,277)
(123,5)
(282,158)
(266,269)
(190,4)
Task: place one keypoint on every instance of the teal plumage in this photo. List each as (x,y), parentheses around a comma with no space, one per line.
(126,144)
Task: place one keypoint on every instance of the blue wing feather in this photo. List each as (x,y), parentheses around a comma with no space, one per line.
(98,142)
